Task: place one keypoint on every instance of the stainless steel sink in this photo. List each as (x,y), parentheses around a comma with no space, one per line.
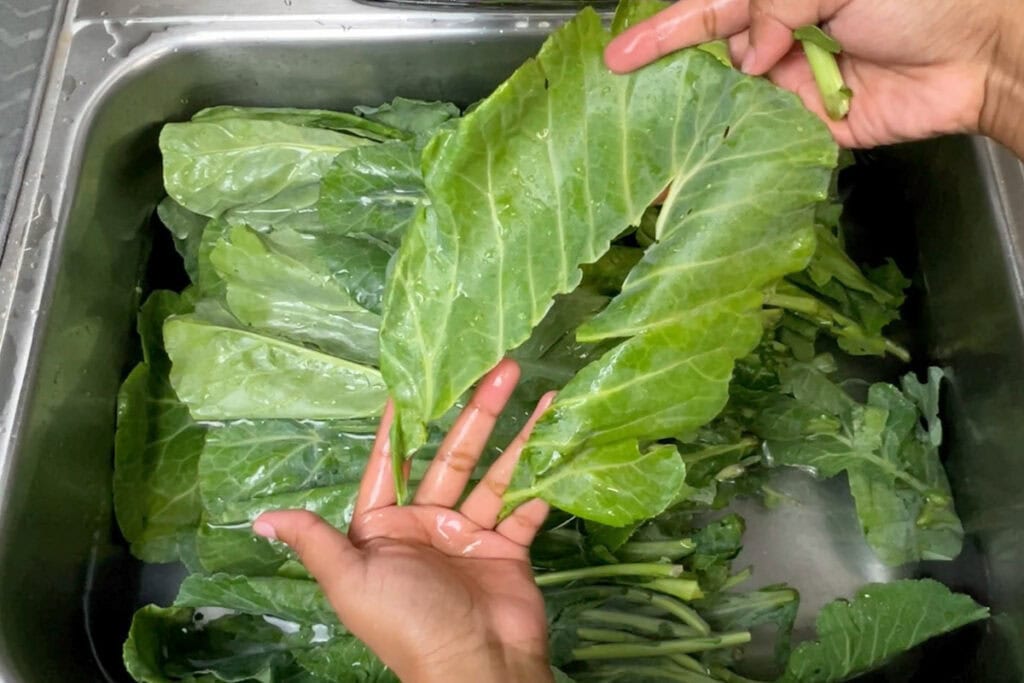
(80,240)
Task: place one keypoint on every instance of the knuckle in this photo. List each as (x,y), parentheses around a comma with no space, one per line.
(458,460)
(709,17)
(497,485)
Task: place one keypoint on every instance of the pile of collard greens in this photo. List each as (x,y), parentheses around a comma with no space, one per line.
(336,258)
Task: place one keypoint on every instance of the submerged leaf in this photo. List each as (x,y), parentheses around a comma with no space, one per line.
(882,621)
(293,600)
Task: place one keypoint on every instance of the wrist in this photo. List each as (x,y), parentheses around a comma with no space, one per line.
(1001,115)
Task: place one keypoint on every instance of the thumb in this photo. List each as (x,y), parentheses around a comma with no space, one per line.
(327,553)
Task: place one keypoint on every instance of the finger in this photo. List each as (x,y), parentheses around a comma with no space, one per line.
(523,524)
(738,46)
(377,488)
(686,23)
(453,465)
(772,23)
(483,505)
(327,553)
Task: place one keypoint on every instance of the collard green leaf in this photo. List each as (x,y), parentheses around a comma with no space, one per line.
(512,218)
(252,463)
(414,117)
(235,549)
(902,494)
(223,373)
(374,190)
(293,600)
(345,659)
(156,449)
(308,118)
(882,621)
(262,173)
(186,228)
(358,264)
(273,293)
(906,521)
(167,644)
(645,483)
(214,644)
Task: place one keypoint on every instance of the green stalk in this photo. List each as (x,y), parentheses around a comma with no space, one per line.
(821,50)
(737,579)
(679,610)
(829,318)
(684,589)
(644,625)
(663,648)
(714,451)
(688,662)
(635,551)
(730,677)
(608,635)
(654,569)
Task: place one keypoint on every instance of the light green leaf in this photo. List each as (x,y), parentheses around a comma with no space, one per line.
(273,293)
(882,621)
(156,449)
(645,483)
(262,173)
(374,190)
(223,373)
(512,218)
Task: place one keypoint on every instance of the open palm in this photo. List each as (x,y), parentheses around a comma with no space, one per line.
(430,588)
(917,69)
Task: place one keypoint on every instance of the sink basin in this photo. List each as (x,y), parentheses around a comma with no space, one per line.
(81,241)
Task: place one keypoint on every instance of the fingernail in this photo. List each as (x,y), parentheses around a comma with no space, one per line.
(265,530)
(748,61)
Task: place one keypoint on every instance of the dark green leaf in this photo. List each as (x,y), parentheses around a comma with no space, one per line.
(882,621)
(186,228)
(293,600)
(156,449)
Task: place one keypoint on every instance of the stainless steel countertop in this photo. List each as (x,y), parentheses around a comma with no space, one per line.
(24,28)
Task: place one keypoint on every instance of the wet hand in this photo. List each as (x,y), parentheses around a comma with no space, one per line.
(439,593)
(917,69)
